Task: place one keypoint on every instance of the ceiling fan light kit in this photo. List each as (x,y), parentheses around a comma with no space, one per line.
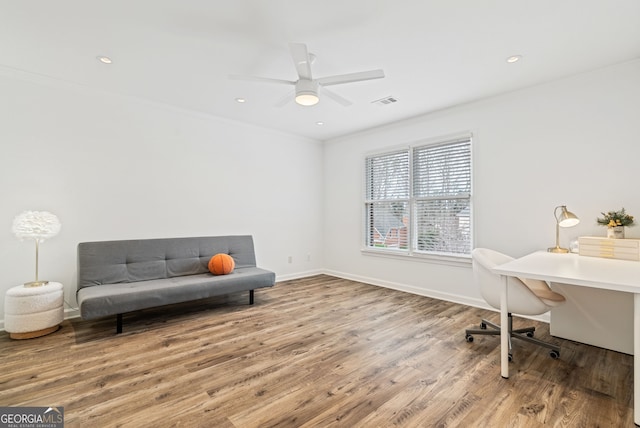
(307,99)
(306,87)
(307,92)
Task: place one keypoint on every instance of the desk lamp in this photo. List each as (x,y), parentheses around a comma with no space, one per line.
(37,225)
(564,219)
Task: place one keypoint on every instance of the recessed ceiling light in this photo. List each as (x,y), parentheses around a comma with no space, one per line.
(514,58)
(240,100)
(319,123)
(104,59)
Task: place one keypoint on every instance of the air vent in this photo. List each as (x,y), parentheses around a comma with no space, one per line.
(385,101)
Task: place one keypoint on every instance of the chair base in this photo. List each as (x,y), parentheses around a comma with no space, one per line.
(525,334)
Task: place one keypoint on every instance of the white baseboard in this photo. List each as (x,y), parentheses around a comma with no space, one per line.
(298,275)
(435,294)
(71,313)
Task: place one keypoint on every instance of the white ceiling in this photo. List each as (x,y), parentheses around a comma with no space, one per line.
(435,53)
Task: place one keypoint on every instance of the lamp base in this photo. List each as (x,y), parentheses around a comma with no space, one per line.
(559,250)
(35,283)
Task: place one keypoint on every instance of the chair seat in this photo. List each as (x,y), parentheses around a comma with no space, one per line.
(544,293)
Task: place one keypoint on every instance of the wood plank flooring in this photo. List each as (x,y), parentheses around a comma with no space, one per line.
(313,352)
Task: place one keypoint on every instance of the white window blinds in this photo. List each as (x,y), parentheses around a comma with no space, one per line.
(419,199)
(442,197)
(387,200)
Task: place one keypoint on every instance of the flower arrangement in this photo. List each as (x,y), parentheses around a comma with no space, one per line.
(615,218)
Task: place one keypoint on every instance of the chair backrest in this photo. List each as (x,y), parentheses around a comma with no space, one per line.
(521,300)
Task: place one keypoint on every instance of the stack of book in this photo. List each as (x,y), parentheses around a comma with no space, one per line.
(624,249)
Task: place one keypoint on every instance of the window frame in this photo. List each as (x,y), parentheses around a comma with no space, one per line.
(412,251)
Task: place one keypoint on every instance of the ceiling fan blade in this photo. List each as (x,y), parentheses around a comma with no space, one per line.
(261,79)
(301,60)
(337,98)
(351,77)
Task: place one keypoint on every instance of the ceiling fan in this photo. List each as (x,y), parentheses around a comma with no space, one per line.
(306,87)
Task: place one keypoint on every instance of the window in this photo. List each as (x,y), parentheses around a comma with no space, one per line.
(418,199)
(388,200)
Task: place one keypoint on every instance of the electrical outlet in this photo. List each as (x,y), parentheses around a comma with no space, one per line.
(290,259)
(309,257)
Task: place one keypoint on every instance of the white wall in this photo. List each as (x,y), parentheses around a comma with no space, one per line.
(573,141)
(113,167)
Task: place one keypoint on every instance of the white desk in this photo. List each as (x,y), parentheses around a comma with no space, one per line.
(595,272)
(602,318)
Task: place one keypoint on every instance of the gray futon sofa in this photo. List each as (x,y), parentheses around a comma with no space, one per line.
(116,277)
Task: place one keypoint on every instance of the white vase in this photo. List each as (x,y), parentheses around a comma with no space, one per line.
(616,232)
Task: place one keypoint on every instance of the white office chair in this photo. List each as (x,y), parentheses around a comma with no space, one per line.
(525,297)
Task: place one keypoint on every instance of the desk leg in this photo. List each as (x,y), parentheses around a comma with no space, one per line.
(636,358)
(504,329)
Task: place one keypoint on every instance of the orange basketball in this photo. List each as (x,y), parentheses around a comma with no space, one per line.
(221,264)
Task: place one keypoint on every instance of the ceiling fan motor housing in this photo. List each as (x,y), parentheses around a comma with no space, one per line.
(307,92)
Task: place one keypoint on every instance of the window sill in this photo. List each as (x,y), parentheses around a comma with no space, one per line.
(461,260)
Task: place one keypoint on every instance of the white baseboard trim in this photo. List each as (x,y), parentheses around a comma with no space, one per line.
(435,294)
(298,275)
(71,313)
(464,300)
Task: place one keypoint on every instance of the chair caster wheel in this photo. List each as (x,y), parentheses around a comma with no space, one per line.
(554,354)
(469,338)
(483,326)
(510,357)
(529,334)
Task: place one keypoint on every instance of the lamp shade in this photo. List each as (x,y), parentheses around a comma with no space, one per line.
(567,218)
(38,225)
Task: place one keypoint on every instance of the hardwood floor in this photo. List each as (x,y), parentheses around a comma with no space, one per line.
(313,352)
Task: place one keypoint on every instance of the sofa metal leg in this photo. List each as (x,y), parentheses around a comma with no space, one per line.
(251,297)
(118,323)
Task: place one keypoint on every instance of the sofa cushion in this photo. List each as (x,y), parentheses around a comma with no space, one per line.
(111,299)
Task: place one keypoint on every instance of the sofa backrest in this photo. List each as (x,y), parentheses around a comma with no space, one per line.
(112,262)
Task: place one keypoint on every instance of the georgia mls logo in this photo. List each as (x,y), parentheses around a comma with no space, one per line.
(31,417)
